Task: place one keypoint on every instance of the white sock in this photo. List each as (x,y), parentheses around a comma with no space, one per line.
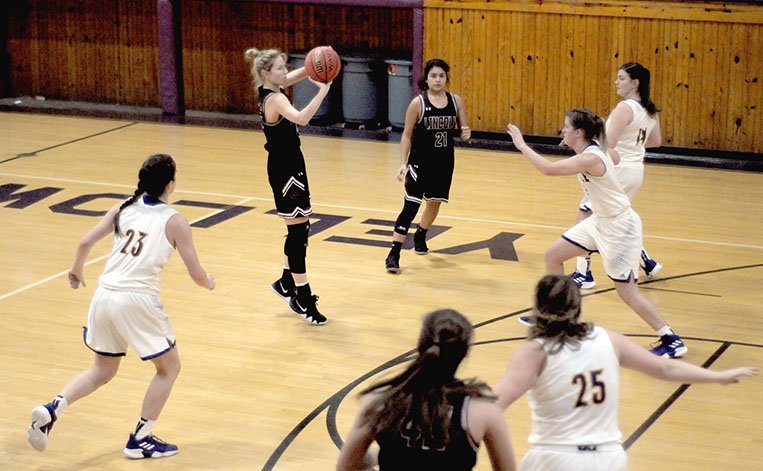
(61,404)
(144,428)
(584,264)
(665,330)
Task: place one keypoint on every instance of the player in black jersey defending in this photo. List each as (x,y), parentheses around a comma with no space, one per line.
(426,418)
(286,171)
(432,120)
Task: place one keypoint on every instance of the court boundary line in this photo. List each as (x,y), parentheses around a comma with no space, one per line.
(35,152)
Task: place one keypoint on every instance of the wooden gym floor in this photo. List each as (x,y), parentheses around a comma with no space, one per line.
(261,389)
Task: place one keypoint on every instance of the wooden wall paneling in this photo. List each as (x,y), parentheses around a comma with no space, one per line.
(697,80)
(668,82)
(502,80)
(137,53)
(537,59)
(611,56)
(707,59)
(754,80)
(518,60)
(579,68)
(558,56)
(215,74)
(528,70)
(460,52)
(587,79)
(490,79)
(659,35)
(51,56)
(477,33)
(678,50)
(725,87)
(566,85)
(741,96)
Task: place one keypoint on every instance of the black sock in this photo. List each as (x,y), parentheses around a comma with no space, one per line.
(421,230)
(286,279)
(304,292)
(396,246)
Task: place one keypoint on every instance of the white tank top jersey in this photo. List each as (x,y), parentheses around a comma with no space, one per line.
(575,399)
(630,147)
(606,196)
(141,249)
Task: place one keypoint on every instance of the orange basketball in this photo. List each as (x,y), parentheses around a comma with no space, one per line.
(322,63)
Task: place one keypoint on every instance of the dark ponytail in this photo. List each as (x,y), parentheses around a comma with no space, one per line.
(638,72)
(420,394)
(155,174)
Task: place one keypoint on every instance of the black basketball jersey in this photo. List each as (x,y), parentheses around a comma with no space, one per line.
(404,450)
(283,144)
(434,133)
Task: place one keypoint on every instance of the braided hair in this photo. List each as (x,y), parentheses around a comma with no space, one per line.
(557,312)
(638,72)
(420,394)
(154,176)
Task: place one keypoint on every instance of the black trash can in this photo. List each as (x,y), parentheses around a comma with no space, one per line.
(399,89)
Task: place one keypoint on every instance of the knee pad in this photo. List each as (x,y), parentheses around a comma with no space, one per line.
(404,220)
(296,246)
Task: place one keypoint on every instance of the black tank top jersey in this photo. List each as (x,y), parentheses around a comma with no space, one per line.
(283,144)
(404,450)
(433,134)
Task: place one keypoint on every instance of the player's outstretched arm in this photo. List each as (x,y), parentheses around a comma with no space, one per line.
(637,358)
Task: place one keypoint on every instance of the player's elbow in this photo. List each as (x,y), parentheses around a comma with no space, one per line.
(302,120)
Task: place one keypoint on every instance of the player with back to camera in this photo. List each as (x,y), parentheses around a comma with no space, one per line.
(614,228)
(425,418)
(427,156)
(126,310)
(631,127)
(570,370)
(287,174)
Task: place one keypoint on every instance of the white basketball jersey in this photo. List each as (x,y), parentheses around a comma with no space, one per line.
(631,144)
(575,399)
(140,250)
(605,193)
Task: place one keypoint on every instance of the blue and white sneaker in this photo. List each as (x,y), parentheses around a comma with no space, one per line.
(526,321)
(43,418)
(652,268)
(670,346)
(584,281)
(149,446)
